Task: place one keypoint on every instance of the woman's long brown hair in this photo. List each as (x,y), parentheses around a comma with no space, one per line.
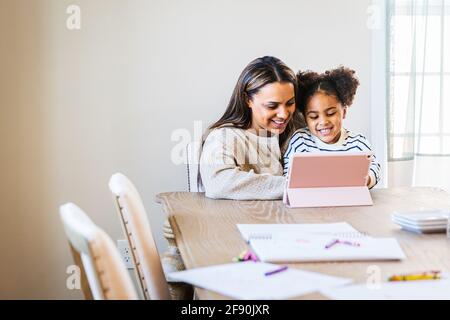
(257,74)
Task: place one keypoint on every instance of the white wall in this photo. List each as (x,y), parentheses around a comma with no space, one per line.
(77,106)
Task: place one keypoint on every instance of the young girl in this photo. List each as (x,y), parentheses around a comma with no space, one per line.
(323,99)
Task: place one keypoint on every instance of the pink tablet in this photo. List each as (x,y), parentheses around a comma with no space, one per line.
(328,179)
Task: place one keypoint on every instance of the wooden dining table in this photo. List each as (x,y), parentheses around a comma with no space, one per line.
(206,233)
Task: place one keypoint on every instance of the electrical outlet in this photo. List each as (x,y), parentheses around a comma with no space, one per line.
(125,253)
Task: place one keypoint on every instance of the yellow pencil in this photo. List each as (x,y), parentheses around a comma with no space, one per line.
(433,275)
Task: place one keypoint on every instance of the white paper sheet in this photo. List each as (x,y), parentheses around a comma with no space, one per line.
(409,290)
(247,280)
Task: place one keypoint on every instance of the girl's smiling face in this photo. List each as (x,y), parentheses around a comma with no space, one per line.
(324,114)
(272,107)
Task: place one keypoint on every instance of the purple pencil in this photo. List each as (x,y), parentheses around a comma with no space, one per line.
(269,273)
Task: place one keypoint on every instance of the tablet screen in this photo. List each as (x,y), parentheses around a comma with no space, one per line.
(321,170)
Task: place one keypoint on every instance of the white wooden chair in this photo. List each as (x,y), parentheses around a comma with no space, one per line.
(192,161)
(136,226)
(97,257)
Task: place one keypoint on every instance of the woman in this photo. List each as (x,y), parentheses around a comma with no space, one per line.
(241,155)
(241,152)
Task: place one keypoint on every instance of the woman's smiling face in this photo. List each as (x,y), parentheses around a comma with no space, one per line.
(324,114)
(272,107)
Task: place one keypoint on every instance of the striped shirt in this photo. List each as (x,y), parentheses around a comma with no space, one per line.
(303,141)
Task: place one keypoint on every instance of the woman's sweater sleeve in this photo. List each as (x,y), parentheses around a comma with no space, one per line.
(224,178)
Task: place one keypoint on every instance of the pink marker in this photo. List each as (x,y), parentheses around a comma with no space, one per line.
(253,257)
(247,256)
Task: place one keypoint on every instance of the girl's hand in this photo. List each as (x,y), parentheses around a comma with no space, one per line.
(368,180)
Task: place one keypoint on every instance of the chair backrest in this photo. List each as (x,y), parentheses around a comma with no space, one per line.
(192,166)
(106,274)
(137,228)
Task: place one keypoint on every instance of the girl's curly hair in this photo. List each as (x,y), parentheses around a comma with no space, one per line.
(340,82)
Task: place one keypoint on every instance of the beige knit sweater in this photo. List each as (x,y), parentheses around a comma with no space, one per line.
(238,164)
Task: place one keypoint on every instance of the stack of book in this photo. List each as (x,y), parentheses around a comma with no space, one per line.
(426,221)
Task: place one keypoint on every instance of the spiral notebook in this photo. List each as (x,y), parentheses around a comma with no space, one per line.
(317,242)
